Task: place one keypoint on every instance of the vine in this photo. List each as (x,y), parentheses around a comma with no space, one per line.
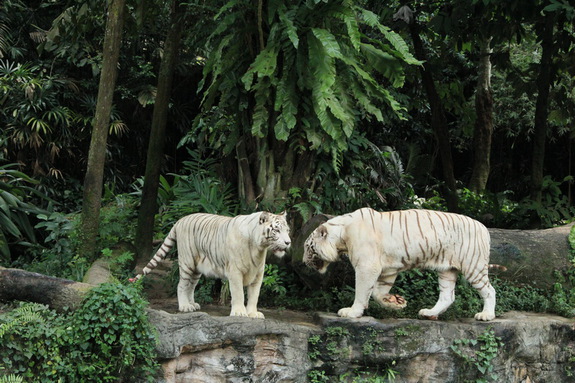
(480,353)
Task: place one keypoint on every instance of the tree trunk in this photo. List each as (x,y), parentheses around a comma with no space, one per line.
(438,120)
(93,181)
(148,208)
(484,122)
(544,81)
(21,285)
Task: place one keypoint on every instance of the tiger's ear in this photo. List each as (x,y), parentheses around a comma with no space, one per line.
(322,231)
(264,217)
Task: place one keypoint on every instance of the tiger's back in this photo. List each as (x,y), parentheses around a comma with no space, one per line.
(434,240)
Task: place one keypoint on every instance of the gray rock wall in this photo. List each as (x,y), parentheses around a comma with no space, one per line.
(528,347)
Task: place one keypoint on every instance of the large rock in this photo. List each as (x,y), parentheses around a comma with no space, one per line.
(532,256)
(197,347)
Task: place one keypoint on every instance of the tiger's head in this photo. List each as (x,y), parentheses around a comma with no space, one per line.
(275,232)
(322,247)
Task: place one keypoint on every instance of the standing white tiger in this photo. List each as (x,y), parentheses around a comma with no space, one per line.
(381,244)
(232,248)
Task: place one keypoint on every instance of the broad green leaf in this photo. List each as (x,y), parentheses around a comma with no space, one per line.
(353,31)
(290,28)
(328,41)
(264,65)
(385,64)
(394,39)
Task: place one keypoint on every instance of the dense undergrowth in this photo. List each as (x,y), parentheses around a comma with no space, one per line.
(108,339)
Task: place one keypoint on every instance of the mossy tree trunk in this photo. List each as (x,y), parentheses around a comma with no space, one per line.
(94,178)
(484,121)
(155,155)
(275,168)
(438,119)
(544,80)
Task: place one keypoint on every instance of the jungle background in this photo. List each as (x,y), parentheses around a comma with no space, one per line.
(119,117)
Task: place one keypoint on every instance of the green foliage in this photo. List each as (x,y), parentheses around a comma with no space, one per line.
(57,256)
(15,223)
(368,176)
(117,221)
(553,209)
(308,78)
(479,353)
(197,190)
(119,263)
(11,379)
(107,339)
(333,344)
(273,281)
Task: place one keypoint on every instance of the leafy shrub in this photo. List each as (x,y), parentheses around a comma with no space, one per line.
(118,218)
(107,339)
(57,255)
(15,209)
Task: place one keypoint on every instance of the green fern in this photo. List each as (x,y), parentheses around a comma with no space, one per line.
(26,313)
(11,379)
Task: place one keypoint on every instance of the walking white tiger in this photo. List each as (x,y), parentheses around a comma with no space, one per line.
(381,244)
(232,248)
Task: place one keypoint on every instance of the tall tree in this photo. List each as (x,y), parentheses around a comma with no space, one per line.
(148,208)
(544,81)
(438,119)
(94,178)
(288,81)
(483,129)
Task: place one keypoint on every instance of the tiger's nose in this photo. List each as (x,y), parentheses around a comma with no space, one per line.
(287,243)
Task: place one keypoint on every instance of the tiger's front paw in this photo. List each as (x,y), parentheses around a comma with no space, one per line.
(428,314)
(256,314)
(238,312)
(189,307)
(349,312)
(485,316)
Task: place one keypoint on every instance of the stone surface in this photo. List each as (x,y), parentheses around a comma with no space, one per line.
(197,347)
(531,256)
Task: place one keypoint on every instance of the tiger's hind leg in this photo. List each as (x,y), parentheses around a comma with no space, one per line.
(381,292)
(487,292)
(447,280)
(186,288)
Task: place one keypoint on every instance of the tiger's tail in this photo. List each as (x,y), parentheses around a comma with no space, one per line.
(160,255)
(495,266)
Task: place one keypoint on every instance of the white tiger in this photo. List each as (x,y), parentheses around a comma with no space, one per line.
(232,248)
(381,244)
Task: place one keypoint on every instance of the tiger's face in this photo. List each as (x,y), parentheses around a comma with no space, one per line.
(276,232)
(320,249)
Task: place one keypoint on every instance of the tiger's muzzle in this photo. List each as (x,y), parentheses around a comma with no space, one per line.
(280,249)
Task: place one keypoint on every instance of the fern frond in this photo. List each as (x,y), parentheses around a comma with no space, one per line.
(400,46)
(264,65)
(384,63)
(287,19)
(261,114)
(328,41)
